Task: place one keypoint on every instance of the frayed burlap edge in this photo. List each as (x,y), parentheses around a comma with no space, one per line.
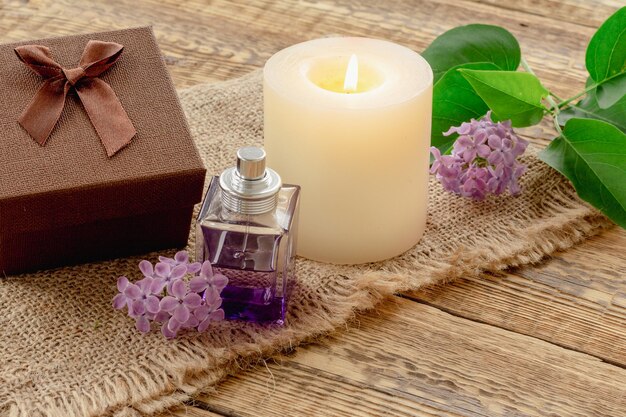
(574,226)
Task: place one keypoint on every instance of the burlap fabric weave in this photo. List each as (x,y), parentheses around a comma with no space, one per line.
(65,352)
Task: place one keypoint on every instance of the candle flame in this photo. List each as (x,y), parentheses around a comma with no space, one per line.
(352,75)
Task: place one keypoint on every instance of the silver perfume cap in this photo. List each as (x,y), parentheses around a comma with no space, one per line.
(250,187)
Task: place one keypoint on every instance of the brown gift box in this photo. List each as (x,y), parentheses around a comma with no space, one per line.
(67,202)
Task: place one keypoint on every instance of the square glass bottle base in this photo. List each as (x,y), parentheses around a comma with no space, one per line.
(241,303)
(254,292)
(256,303)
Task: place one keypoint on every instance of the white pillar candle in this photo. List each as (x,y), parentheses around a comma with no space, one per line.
(357,147)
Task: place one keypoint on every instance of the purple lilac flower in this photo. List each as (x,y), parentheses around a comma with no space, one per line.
(496,184)
(143,300)
(475,182)
(483,159)
(181,258)
(121,300)
(208,280)
(209,310)
(146,269)
(166,275)
(139,300)
(469,145)
(159,317)
(180,304)
(166,297)
(448,171)
(165,331)
(518,172)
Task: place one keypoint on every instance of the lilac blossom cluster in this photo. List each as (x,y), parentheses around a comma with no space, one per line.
(165,296)
(483,159)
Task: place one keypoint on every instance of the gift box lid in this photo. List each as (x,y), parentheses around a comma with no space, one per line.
(71,179)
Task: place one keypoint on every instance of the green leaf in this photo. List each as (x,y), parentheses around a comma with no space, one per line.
(592,155)
(611,91)
(606,53)
(510,95)
(455,102)
(470,44)
(588,108)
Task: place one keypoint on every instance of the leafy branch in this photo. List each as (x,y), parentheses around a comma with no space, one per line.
(475,69)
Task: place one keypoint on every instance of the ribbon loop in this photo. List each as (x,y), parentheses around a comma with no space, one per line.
(99,100)
(39,59)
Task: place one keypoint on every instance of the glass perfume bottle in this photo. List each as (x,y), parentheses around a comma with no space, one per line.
(247,229)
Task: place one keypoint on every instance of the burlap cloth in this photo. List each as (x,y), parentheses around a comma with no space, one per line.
(65,352)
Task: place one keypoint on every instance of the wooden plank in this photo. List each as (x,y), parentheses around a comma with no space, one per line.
(582,12)
(208,42)
(297,390)
(577,299)
(412,359)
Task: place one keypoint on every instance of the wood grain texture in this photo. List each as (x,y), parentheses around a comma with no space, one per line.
(543,340)
(411,359)
(588,13)
(210,41)
(576,300)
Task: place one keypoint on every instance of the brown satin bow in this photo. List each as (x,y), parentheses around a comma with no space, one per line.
(99,100)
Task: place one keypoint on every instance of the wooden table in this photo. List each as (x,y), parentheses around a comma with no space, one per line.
(545,340)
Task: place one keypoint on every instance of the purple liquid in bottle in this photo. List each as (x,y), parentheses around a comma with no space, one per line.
(255,289)
(247,229)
